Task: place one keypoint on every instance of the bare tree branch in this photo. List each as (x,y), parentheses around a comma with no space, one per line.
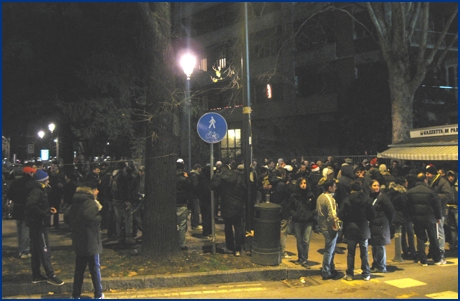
(430,58)
(413,14)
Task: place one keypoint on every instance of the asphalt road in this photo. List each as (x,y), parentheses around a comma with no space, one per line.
(411,282)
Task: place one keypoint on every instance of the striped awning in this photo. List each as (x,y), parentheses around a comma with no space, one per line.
(429,153)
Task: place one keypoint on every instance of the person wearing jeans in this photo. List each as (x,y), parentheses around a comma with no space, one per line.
(302,209)
(326,207)
(85,223)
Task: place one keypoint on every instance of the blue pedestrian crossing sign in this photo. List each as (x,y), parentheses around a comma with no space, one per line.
(212,127)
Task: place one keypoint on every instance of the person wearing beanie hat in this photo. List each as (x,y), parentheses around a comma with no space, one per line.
(442,188)
(374,162)
(41,176)
(431,169)
(85,223)
(314,168)
(37,213)
(17,193)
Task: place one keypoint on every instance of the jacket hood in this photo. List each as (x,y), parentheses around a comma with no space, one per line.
(347,170)
(82,194)
(397,187)
(358,198)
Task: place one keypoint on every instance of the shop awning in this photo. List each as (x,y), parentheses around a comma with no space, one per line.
(429,153)
(426,144)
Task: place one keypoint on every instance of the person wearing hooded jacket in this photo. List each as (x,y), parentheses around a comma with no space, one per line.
(85,223)
(356,211)
(380,227)
(397,194)
(302,209)
(231,185)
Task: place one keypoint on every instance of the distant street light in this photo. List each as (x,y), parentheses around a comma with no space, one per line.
(41,134)
(51,127)
(188,62)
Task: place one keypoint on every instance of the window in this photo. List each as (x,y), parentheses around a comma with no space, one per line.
(203,66)
(265,43)
(230,146)
(315,81)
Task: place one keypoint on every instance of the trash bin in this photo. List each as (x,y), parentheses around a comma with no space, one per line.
(266,248)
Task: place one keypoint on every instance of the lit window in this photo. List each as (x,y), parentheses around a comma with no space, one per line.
(222,62)
(231,144)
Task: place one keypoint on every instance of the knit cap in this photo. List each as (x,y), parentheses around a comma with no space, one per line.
(40,176)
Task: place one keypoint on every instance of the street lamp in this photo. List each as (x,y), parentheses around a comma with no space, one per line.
(51,127)
(187,63)
(41,134)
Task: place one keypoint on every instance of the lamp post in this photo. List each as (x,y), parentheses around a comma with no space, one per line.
(51,127)
(187,63)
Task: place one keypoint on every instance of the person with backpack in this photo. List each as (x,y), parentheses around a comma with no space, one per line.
(120,192)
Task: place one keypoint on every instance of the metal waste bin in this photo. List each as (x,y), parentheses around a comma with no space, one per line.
(266,248)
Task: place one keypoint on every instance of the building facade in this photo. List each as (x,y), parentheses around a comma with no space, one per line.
(318,79)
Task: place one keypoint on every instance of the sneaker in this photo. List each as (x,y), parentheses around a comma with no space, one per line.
(374,270)
(25,256)
(367,278)
(184,248)
(441,262)
(39,279)
(348,278)
(55,281)
(101,297)
(199,227)
(423,264)
(75,297)
(237,254)
(286,256)
(305,265)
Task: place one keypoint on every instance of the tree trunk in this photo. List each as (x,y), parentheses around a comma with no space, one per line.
(160,237)
(402,101)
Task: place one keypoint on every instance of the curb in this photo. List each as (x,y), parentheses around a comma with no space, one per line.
(162,281)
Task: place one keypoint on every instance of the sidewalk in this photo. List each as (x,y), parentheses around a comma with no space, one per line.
(286,270)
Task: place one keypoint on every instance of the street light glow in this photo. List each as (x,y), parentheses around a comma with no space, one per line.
(188,62)
(51,127)
(41,134)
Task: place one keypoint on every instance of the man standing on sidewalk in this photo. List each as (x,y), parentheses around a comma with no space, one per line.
(18,195)
(327,211)
(37,213)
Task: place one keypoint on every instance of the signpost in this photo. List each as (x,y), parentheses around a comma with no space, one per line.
(212,128)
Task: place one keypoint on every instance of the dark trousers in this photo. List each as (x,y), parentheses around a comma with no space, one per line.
(430,229)
(206,217)
(407,232)
(233,241)
(364,255)
(40,251)
(94,263)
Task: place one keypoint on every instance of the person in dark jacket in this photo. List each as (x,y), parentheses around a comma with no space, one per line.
(17,193)
(425,207)
(183,189)
(231,185)
(85,224)
(121,194)
(397,194)
(380,227)
(37,214)
(442,187)
(204,182)
(302,209)
(56,183)
(452,218)
(280,195)
(356,211)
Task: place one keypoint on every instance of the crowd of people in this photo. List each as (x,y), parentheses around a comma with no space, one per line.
(370,199)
